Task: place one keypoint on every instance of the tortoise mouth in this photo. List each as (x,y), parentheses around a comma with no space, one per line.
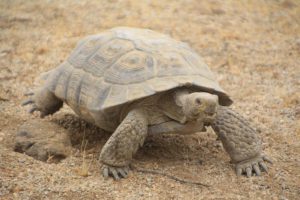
(205,117)
(210,116)
(210,113)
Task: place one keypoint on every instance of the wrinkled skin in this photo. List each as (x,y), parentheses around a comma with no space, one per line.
(241,142)
(237,135)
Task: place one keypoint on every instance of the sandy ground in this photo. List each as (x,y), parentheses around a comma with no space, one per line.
(252,46)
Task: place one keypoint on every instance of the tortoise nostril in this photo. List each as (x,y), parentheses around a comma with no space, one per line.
(198,101)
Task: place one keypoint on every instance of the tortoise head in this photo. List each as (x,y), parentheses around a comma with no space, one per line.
(200,106)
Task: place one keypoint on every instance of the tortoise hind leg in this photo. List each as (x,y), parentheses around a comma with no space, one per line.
(117,153)
(44,101)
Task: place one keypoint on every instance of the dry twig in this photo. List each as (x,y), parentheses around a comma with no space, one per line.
(156,172)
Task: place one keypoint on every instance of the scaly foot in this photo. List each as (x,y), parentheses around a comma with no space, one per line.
(116,172)
(34,107)
(252,166)
(43,101)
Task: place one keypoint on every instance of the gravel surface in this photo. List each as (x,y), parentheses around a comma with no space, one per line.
(252,46)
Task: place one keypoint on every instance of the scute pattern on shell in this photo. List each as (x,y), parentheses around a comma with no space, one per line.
(125,64)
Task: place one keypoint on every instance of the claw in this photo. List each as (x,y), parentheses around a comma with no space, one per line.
(248,172)
(26,102)
(105,172)
(31,110)
(256,169)
(267,159)
(115,173)
(122,173)
(126,170)
(28,93)
(239,171)
(263,166)
(254,166)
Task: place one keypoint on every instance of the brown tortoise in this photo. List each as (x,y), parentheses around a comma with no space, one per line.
(133,82)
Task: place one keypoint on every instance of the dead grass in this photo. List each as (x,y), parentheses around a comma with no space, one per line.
(83,170)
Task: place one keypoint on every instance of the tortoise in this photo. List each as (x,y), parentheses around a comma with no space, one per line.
(133,82)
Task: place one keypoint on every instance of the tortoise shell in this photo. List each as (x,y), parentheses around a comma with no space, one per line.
(125,64)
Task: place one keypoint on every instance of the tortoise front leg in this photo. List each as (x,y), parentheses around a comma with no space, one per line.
(123,144)
(240,141)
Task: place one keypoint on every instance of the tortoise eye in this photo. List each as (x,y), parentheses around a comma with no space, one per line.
(198,101)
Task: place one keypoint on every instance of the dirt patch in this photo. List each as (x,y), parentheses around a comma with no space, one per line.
(253,48)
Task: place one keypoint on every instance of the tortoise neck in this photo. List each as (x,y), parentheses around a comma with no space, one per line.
(180,95)
(171,104)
